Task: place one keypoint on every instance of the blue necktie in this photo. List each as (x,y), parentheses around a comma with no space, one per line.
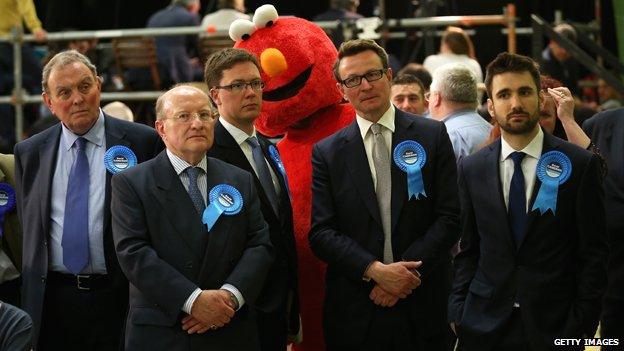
(193,190)
(75,241)
(264,175)
(517,199)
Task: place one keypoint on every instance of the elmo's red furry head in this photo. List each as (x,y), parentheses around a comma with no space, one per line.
(297,59)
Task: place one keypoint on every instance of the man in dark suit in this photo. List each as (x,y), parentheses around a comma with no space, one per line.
(606,130)
(387,244)
(228,74)
(72,285)
(190,237)
(532,264)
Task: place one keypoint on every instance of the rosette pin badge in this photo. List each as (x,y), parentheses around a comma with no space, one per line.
(7,203)
(119,158)
(553,169)
(224,199)
(410,157)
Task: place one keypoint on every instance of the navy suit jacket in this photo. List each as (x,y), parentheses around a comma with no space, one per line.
(35,163)
(281,283)
(606,130)
(166,252)
(558,271)
(347,232)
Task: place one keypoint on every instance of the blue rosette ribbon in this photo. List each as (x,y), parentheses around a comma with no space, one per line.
(410,157)
(7,203)
(119,158)
(224,200)
(280,165)
(553,169)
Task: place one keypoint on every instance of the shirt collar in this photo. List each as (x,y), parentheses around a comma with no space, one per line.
(95,135)
(386,120)
(180,165)
(238,135)
(456,113)
(533,149)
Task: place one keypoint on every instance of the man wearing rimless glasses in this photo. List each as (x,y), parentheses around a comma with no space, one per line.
(387,250)
(233,77)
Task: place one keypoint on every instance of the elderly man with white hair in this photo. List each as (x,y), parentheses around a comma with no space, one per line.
(453,100)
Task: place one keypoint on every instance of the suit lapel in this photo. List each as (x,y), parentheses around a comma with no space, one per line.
(357,165)
(493,181)
(532,216)
(399,178)
(177,205)
(47,160)
(114,136)
(218,235)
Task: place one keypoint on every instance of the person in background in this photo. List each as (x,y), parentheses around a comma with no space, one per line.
(420,72)
(453,100)
(175,51)
(227,12)
(119,110)
(408,94)
(609,97)
(455,47)
(557,63)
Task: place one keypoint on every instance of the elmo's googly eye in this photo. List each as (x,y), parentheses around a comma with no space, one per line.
(241,29)
(265,16)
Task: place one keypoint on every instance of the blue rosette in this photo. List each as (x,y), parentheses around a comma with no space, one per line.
(224,200)
(553,169)
(119,158)
(7,203)
(410,157)
(280,165)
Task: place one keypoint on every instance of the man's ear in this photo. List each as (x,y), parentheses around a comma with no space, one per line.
(160,128)
(490,108)
(47,101)
(214,96)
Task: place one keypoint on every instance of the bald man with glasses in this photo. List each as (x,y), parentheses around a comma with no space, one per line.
(384,216)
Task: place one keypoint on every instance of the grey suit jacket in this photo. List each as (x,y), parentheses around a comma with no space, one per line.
(166,253)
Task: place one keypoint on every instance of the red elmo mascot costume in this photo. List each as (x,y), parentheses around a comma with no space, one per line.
(302,103)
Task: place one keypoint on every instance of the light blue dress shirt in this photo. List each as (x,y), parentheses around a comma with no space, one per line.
(66,154)
(467,131)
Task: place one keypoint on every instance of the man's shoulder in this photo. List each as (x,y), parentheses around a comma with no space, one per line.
(38,139)
(220,166)
(606,119)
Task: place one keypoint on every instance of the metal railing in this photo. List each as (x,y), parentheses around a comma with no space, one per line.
(20,97)
(542,29)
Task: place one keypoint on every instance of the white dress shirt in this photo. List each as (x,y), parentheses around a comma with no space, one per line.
(533,152)
(387,121)
(179,165)
(241,139)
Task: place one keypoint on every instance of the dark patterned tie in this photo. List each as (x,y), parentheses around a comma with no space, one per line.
(517,199)
(264,175)
(193,190)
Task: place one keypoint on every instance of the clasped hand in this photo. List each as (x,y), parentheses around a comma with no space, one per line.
(211,310)
(394,281)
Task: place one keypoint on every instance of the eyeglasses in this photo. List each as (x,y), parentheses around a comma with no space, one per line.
(187,117)
(370,76)
(239,87)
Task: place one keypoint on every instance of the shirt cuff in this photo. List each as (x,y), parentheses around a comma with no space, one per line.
(236,293)
(188,305)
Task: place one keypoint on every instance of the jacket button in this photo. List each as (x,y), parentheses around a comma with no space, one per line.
(43,278)
(45,243)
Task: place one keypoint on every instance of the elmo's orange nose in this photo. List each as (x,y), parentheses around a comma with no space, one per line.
(273,62)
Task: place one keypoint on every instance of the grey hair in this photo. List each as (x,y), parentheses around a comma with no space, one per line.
(455,82)
(63,59)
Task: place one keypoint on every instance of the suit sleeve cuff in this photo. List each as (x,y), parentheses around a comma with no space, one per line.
(236,293)
(188,305)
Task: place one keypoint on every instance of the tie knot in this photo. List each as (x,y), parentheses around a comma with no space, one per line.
(253,142)
(193,172)
(376,128)
(81,143)
(517,157)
